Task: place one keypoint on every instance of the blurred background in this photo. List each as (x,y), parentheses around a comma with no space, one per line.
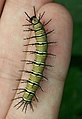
(71,106)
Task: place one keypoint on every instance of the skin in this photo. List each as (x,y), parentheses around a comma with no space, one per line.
(11,47)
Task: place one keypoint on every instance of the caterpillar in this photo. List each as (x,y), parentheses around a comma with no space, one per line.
(39,63)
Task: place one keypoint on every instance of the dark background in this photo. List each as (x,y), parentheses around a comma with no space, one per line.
(71,107)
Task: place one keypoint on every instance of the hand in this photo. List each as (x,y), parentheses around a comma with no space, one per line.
(11,47)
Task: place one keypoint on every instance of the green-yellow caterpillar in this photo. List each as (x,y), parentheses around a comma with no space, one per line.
(39,63)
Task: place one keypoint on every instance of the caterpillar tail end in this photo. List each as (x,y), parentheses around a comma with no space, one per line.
(24,104)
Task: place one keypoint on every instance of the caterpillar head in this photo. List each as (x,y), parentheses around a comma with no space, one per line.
(34,20)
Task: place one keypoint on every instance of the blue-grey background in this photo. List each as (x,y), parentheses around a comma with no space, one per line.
(71,107)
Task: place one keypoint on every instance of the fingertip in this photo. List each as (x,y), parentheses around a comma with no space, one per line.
(56,9)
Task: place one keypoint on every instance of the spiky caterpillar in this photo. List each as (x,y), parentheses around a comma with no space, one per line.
(41,53)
